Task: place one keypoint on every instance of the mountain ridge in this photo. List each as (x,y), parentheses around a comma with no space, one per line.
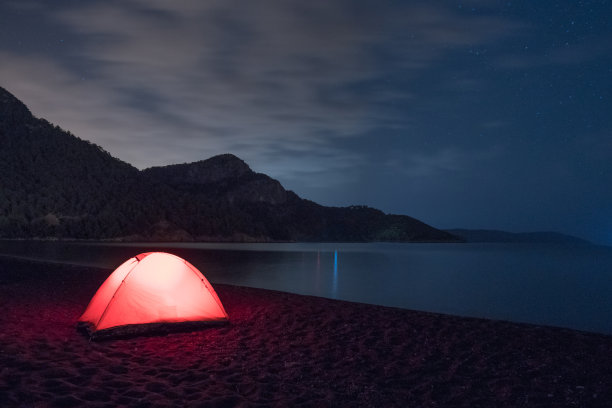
(498,236)
(58,186)
(218,173)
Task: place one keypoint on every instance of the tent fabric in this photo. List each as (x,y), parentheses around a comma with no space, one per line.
(153,287)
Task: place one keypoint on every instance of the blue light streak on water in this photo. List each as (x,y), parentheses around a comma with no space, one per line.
(335,285)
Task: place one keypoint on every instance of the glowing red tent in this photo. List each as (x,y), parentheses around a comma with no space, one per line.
(150,289)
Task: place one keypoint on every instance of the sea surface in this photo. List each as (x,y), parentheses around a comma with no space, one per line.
(556,285)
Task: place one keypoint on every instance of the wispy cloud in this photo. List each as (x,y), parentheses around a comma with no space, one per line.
(157,82)
(426,166)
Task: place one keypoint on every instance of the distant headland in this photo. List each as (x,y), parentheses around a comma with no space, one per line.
(495,236)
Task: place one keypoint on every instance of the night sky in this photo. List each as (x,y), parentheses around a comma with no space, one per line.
(475,114)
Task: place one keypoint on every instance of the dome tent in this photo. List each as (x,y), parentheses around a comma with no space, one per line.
(151,291)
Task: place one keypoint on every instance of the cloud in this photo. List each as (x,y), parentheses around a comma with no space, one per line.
(181,81)
(84,108)
(24,5)
(425,166)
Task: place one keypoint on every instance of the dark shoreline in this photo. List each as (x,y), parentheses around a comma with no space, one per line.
(281,350)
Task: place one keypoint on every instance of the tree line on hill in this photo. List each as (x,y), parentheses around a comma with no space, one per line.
(56,185)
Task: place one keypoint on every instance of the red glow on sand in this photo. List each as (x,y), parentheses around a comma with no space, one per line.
(153,287)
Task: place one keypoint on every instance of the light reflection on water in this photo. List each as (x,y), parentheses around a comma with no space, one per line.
(542,284)
(335,287)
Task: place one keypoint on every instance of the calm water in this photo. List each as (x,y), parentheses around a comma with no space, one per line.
(567,286)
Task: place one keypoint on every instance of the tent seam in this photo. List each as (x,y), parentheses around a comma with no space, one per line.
(200,276)
(116,290)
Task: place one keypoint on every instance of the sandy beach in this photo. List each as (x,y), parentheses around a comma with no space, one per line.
(284,350)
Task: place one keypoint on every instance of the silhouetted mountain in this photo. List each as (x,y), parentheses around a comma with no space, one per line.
(511,237)
(239,204)
(55,185)
(224,176)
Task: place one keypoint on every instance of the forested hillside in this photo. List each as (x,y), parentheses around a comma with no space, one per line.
(55,185)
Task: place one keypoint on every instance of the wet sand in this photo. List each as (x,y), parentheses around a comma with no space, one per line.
(284,350)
